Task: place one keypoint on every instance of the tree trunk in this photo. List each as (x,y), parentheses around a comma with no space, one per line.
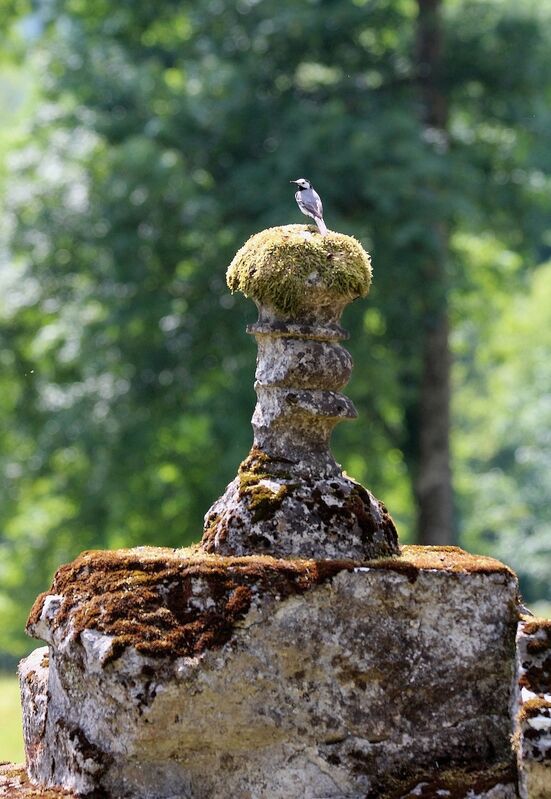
(433,485)
(433,489)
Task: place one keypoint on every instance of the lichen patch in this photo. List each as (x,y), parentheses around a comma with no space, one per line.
(263,485)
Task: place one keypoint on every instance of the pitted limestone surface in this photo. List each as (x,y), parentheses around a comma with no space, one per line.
(336,680)
(268,505)
(278,506)
(296,362)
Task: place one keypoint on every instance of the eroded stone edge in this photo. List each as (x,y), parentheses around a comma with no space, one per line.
(532,710)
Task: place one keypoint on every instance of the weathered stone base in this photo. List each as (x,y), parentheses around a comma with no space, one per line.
(202,677)
(271,510)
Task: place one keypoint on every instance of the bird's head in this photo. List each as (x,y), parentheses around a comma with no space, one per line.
(302,183)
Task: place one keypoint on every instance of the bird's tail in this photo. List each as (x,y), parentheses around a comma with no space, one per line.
(321,225)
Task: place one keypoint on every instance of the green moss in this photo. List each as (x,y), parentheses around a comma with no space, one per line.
(262,501)
(275,267)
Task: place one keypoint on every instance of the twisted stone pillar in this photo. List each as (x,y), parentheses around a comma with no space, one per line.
(290,497)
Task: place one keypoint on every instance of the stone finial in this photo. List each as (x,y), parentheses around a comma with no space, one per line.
(290,497)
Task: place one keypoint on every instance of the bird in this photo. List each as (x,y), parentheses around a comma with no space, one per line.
(309,202)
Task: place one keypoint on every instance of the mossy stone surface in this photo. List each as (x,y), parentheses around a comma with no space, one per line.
(293,268)
(290,497)
(497,781)
(144,598)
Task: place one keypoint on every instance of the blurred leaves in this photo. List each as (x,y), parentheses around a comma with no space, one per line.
(503,410)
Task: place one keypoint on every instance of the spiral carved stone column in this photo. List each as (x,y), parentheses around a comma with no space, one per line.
(290,497)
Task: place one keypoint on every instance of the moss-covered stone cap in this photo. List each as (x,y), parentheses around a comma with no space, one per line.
(293,268)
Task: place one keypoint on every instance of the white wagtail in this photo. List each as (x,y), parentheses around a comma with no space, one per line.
(309,202)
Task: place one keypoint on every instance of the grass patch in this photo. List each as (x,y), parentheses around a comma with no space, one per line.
(11,736)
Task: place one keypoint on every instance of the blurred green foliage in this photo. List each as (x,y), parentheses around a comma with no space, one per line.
(11,737)
(503,443)
(159,137)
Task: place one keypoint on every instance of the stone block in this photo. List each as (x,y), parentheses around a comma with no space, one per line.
(180,674)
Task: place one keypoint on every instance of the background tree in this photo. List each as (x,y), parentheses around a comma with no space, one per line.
(432,481)
(163,137)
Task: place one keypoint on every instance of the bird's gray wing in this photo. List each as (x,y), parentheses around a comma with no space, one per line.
(312,202)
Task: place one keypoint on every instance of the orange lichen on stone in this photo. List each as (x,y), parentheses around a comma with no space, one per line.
(535,671)
(535,625)
(414,559)
(177,602)
(532,708)
(183,602)
(14,784)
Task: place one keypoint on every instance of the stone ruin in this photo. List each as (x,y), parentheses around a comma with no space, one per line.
(297,652)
